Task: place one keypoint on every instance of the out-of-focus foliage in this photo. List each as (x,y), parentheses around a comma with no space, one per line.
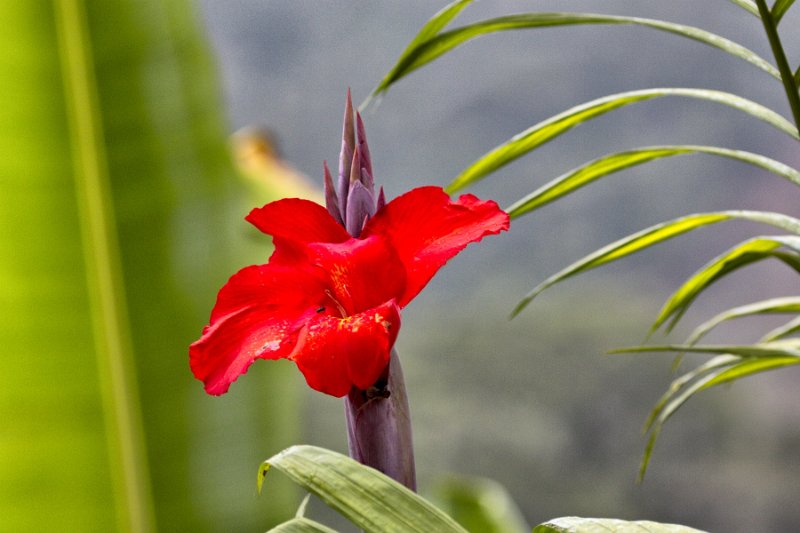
(430,44)
(377,503)
(480,504)
(116,228)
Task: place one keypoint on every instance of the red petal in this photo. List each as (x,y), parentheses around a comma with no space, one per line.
(335,354)
(426,229)
(297,220)
(362,273)
(258,314)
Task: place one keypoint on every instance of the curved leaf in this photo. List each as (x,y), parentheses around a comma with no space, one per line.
(748,5)
(616,162)
(793,326)
(780,8)
(363,495)
(750,251)
(654,235)
(574,524)
(423,51)
(787,304)
(554,126)
(736,362)
(430,30)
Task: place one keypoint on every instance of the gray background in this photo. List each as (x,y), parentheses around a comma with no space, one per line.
(533,403)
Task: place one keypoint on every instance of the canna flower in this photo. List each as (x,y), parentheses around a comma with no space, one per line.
(330,297)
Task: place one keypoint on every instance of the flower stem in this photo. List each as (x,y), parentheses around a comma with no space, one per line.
(787,76)
(379,428)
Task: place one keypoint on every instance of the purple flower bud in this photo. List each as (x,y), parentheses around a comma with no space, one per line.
(346,155)
(360,207)
(331,199)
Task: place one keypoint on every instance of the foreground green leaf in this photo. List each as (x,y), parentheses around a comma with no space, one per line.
(609,164)
(544,131)
(423,50)
(363,495)
(574,524)
(651,236)
(746,253)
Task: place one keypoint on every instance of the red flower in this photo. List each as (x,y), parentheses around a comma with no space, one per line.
(331,302)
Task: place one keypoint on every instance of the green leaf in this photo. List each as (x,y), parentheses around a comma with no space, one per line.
(480,504)
(423,51)
(743,254)
(736,362)
(616,162)
(786,304)
(363,495)
(544,131)
(780,8)
(748,5)
(301,525)
(116,104)
(793,326)
(431,28)
(653,235)
(574,524)
(783,348)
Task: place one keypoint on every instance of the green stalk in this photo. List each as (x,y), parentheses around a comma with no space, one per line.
(127,458)
(787,76)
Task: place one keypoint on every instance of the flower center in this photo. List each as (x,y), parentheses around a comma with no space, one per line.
(338,305)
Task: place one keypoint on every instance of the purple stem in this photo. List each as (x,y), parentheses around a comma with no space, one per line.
(379,427)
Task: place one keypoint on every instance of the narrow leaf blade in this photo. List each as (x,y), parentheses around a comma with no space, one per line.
(748,5)
(423,51)
(651,236)
(431,28)
(741,255)
(787,304)
(612,163)
(780,8)
(548,129)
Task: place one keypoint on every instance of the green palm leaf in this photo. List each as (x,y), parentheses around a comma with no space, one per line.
(748,5)
(793,326)
(425,49)
(616,162)
(746,253)
(786,304)
(540,133)
(653,235)
(780,8)
(736,362)
(431,28)
(363,495)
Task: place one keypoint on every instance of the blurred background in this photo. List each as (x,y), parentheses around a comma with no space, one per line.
(531,403)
